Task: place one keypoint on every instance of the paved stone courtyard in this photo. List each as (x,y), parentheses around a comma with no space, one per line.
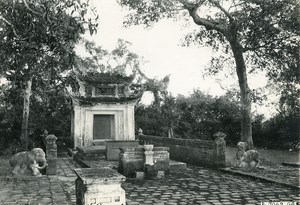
(196,185)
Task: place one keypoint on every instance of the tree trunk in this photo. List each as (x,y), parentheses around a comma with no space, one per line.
(24,133)
(246,126)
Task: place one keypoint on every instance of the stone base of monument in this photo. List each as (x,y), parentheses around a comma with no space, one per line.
(113,148)
(140,175)
(91,152)
(150,171)
(160,174)
(99,186)
(51,169)
(133,159)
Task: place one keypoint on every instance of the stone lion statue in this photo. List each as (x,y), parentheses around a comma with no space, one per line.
(246,159)
(28,163)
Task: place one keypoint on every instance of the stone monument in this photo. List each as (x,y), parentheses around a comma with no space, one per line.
(103,111)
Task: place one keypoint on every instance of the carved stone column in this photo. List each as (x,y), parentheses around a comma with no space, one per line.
(51,155)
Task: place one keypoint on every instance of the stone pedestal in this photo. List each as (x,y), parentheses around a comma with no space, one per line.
(99,186)
(51,155)
(131,160)
(113,148)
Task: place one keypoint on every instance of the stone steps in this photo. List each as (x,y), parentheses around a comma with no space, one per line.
(175,165)
(291,164)
(91,152)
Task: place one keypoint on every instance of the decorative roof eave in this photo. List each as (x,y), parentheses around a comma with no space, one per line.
(106,79)
(91,101)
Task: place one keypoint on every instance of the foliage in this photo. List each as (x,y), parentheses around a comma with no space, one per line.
(149,119)
(37,44)
(198,116)
(254,34)
(203,115)
(280,132)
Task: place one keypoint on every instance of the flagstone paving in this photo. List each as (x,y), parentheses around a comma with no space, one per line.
(196,185)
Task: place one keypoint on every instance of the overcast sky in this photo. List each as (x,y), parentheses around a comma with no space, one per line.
(160,47)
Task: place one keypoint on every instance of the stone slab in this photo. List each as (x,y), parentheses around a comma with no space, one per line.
(103,175)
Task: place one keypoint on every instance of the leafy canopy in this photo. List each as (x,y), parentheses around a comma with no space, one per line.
(268,31)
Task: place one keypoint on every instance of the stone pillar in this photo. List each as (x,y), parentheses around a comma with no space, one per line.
(99,186)
(219,149)
(51,155)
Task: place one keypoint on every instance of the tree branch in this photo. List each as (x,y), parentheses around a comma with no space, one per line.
(208,24)
(27,6)
(217,4)
(12,26)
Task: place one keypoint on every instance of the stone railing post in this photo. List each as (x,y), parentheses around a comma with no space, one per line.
(51,154)
(219,149)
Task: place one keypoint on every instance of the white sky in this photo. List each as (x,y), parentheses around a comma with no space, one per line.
(159,46)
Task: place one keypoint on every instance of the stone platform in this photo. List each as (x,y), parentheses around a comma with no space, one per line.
(195,185)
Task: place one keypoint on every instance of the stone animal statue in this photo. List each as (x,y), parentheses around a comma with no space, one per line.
(28,163)
(246,159)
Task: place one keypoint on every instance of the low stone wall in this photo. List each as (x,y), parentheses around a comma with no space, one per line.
(197,152)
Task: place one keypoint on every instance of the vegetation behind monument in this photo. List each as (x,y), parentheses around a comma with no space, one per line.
(200,115)
(37,50)
(249,35)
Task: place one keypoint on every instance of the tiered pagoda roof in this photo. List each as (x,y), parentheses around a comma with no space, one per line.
(106,88)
